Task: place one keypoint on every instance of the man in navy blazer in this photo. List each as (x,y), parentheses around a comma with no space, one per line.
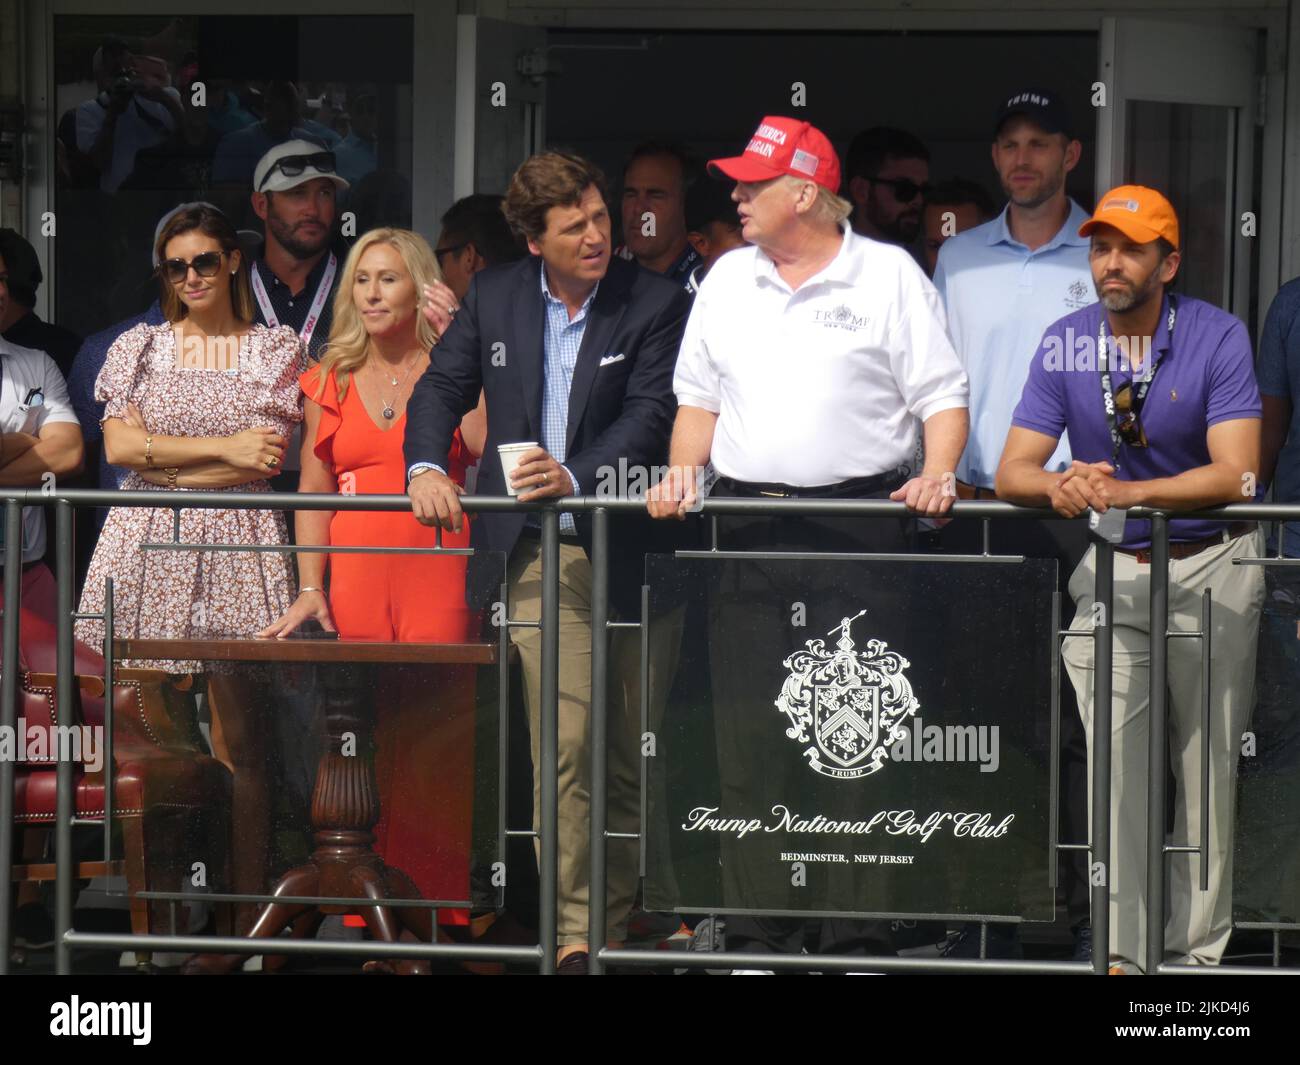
(574,350)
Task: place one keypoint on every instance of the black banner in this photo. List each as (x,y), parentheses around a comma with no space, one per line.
(846,736)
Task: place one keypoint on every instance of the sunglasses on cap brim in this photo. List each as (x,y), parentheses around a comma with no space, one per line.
(294,165)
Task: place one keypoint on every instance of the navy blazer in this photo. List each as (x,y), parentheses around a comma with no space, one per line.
(621,406)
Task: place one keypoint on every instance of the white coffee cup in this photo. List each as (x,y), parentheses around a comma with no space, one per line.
(510,459)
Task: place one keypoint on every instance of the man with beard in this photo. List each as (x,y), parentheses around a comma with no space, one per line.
(1163,412)
(1002,284)
(1006,281)
(294,194)
(888,174)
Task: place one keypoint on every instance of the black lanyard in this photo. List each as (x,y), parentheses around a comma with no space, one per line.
(1140,389)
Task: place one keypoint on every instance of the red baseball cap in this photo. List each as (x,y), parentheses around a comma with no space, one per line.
(784,146)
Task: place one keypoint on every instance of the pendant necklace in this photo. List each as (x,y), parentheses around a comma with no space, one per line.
(388,411)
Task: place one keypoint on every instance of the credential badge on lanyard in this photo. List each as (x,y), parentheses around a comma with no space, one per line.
(313,312)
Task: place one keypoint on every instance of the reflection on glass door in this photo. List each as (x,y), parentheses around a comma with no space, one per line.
(153,111)
(1188,151)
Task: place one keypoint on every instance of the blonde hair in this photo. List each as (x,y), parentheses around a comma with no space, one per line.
(349,342)
(828,206)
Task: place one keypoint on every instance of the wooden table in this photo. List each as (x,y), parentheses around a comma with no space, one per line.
(344,805)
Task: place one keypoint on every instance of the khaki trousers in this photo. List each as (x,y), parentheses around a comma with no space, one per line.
(623,778)
(1198,922)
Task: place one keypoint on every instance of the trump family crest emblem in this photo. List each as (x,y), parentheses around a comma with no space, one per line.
(844,705)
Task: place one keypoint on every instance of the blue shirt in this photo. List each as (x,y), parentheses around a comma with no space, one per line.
(1204,375)
(1000,296)
(81,386)
(1279,375)
(561,339)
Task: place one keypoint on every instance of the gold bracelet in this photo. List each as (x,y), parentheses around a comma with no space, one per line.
(171,472)
(148,452)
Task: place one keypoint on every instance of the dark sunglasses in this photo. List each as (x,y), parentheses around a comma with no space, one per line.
(905,189)
(206,265)
(451,249)
(293,165)
(1127,422)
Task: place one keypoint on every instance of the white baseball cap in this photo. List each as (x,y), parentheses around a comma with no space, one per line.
(307,161)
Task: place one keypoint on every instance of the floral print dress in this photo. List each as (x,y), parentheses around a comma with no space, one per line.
(187,594)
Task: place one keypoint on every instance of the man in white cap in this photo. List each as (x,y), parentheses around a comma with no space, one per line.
(295,189)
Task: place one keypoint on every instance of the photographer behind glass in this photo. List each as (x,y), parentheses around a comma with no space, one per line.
(136,107)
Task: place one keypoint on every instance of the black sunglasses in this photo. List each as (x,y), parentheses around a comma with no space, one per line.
(206,265)
(905,189)
(440,252)
(1127,422)
(293,165)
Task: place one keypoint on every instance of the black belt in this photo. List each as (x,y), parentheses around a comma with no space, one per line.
(857,487)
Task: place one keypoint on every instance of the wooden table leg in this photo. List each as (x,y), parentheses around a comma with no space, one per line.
(344,811)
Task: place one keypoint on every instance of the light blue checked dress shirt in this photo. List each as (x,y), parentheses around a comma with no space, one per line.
(561,340)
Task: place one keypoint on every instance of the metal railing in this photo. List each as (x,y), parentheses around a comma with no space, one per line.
(543,953)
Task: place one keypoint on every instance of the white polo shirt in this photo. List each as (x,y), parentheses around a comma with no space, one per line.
(1000,298)
(823,384)
(25,370)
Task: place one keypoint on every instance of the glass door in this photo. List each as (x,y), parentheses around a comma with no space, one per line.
(500,99)
(1178,115)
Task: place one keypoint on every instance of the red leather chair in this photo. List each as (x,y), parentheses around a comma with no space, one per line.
(170,798)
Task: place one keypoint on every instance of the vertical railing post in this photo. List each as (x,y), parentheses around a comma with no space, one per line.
(1157,737)
(110,670)
(9,716)
(64,696)
(548,866)
(1103,646)
(597,901)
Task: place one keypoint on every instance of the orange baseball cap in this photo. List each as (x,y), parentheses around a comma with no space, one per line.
(784,146)
(1140,213)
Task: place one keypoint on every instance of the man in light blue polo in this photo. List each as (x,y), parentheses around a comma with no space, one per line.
(1003,283)
(1006,281)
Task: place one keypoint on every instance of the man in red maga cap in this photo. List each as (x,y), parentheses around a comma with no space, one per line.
(814,361)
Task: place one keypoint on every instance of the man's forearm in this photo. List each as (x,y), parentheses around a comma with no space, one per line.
(1024,483)
(46,457)
(692,440)
(945,440)
(1204,486)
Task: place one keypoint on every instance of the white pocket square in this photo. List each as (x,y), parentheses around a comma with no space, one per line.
(609,360)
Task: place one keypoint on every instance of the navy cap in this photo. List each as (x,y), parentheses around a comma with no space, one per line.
(1043,107)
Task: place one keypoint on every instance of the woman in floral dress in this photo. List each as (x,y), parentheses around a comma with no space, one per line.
(205,401)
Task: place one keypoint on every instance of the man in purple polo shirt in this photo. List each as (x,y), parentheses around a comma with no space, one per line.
(1182,433)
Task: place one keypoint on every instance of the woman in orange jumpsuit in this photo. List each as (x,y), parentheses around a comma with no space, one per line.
(352,443)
